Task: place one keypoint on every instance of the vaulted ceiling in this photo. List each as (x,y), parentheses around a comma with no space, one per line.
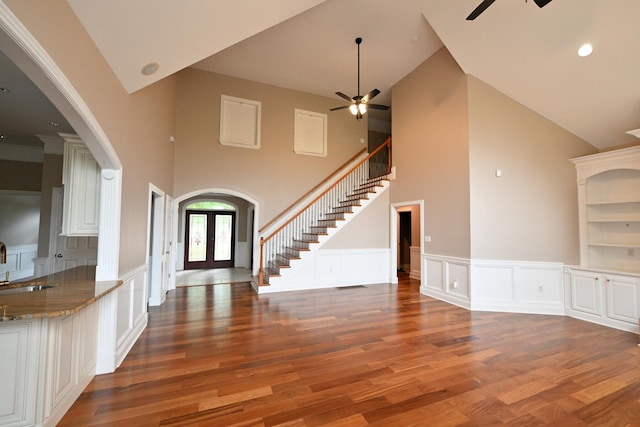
(526,52)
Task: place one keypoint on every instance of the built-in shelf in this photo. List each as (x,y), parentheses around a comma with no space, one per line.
(614,245)
(615,220)
(612,202)
(609,209)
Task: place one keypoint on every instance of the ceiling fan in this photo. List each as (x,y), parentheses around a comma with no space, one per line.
(358,104)
(486,3)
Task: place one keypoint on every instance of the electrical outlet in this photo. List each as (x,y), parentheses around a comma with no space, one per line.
(540,288)
(454,285)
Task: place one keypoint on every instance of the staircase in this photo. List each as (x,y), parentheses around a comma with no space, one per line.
(283,250)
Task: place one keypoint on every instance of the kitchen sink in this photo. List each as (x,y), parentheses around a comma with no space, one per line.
(24,289)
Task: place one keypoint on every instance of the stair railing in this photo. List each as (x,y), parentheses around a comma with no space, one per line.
(298,232)
(310,192)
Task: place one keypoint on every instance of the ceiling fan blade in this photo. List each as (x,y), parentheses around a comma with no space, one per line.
(342,95)
(339,108)
(481,8)
(542,3)
(370,95)
(378,106)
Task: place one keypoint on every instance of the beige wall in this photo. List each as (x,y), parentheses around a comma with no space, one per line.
(138,126)
(370,229)
(450,134)
(531,212)
(273,175)
(20,176)
(20,214)
(431,151)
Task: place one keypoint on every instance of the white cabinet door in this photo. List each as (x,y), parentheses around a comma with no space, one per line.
(61,360)
(622,298)
(19,350)
(86,325)
(81,181)
(586,294)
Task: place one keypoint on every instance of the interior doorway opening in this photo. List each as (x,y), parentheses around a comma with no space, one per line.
(406,239)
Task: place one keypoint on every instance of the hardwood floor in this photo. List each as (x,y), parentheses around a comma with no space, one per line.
(376,355)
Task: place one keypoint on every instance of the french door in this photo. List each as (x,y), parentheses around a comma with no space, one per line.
(209,239)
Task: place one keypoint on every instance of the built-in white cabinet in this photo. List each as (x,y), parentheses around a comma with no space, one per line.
(46,364)
(609,299)
(70,361)
(609,210)
(605,288)
(20,345)
(81,182)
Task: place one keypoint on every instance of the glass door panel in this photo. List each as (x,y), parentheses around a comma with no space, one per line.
(197,237)
(223,234)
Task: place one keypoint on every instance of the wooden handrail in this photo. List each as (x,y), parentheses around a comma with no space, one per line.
(263,240)
(305,195)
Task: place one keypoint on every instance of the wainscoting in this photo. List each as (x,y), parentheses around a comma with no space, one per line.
(123,317)
(330,268)
(20,262)
(486,285)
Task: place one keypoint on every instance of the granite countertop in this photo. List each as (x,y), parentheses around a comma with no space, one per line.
(70,291)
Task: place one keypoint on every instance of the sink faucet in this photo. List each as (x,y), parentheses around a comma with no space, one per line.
(3,260)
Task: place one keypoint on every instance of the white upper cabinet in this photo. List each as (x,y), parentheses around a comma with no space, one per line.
(81,181)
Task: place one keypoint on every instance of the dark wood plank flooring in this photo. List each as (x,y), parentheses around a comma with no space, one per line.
(376,355)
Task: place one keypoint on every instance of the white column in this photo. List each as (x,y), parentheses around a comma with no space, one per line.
(109,224)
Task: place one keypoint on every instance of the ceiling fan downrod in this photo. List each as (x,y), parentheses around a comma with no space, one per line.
(358,41)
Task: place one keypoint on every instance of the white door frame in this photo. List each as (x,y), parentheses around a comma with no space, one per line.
(168,261)
(155,251)
(393,235)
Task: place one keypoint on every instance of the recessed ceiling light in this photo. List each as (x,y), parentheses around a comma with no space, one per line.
(4,90)
(585,50)
(150,68)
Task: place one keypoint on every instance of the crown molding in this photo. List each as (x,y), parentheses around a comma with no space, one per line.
(52,144)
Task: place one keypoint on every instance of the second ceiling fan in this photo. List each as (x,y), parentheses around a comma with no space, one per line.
(358,104)
(486,3)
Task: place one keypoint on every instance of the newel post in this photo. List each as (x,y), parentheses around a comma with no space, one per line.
(261,270)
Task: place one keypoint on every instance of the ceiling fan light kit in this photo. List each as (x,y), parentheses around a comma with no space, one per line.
(358,105)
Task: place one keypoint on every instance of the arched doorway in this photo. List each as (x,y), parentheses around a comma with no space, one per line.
(209,203)
(25,51)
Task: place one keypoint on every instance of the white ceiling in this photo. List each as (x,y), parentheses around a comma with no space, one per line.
(526,52)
